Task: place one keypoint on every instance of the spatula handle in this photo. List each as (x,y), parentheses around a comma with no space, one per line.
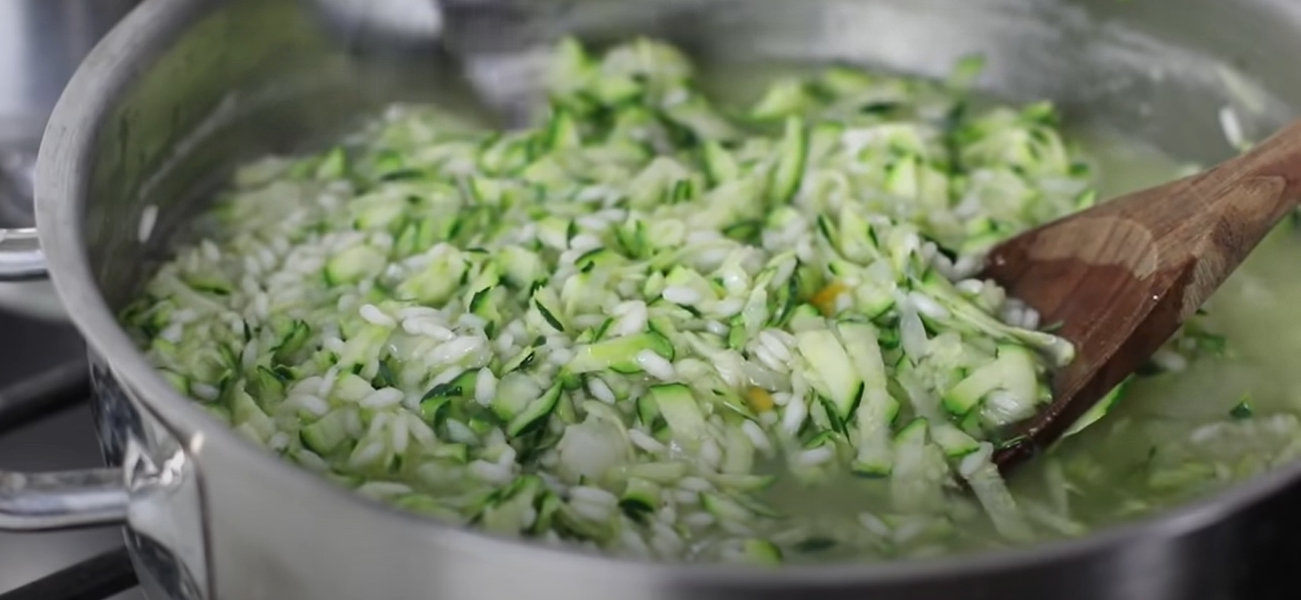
(1215,219)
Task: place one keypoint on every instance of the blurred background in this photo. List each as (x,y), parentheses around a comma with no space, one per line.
(41,43)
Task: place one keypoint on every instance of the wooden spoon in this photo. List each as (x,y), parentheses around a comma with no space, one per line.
(1122,276)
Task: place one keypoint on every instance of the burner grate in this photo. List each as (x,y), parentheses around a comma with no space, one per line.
(23,403)
(44,394)
(97,578)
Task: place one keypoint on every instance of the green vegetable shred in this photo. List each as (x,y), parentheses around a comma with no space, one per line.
(647,323)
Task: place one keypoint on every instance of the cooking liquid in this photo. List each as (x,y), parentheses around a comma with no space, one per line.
(1156,448)
(1106,474)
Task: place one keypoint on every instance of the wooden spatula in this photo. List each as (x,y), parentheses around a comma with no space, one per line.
(1122,276)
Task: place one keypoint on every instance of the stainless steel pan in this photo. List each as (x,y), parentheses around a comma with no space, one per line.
(182,89)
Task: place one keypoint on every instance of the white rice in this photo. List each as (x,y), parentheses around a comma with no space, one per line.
(768,359)
(816,456)
(645,441)
(655,365)
(711,455)
(507,458)
(793,415)
(458,432)
(593,495)
(600,390)
(204,391)
(456,350)
(311,404)
(1232,127)
(485,387)
(365,455)
(172,333)
(419,430)
(633,320)
(681,295)
(312,461)
(757,437)
(399,435)
(975,461)
(383,489)
(377,424)
(383,398)
(927,306)
(373,315)
(695,484)
(427,327)
(728,307)
(490,472)
(148,219)
(333,344)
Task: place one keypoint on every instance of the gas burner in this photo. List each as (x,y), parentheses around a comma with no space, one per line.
(46,424)
(30,401)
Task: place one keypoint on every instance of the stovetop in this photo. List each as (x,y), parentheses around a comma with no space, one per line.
(45,424)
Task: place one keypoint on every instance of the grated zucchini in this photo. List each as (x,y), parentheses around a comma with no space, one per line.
(631,325)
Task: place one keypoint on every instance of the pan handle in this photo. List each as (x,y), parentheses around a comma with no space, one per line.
(62,500)
(21,258)
(58,500)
